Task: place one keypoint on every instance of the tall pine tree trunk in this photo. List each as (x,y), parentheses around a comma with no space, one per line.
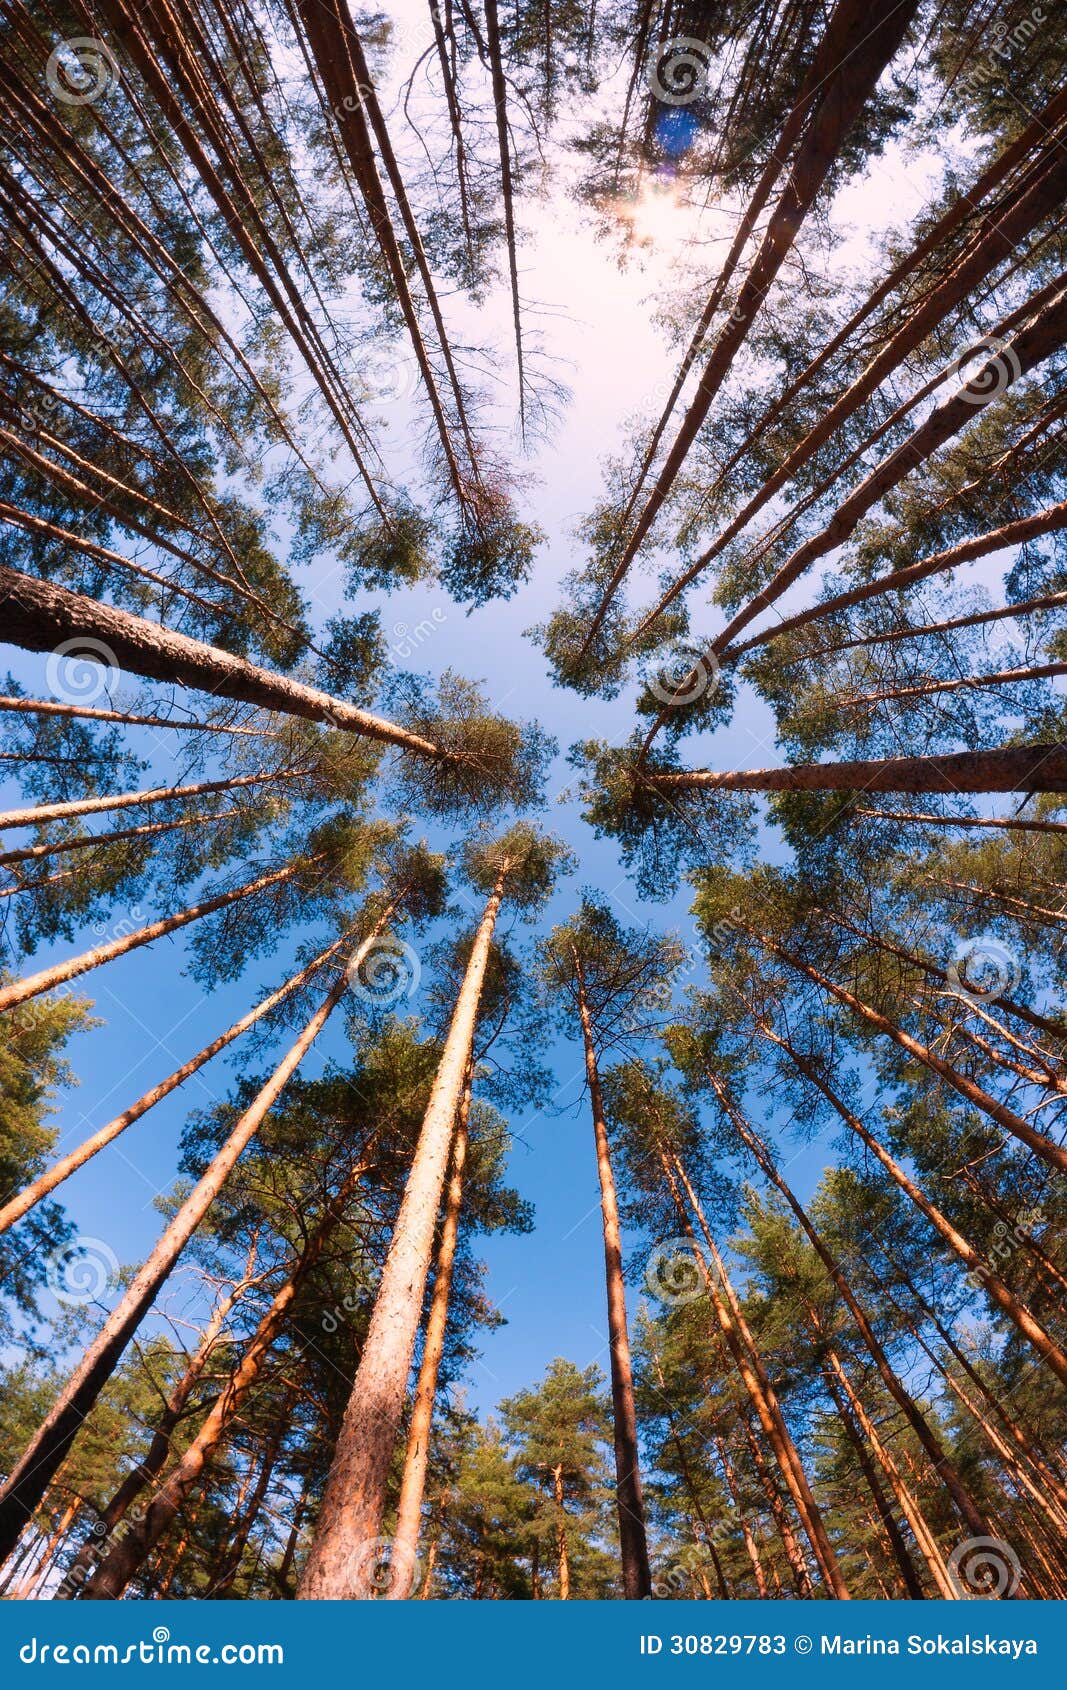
(350,1515)
(633,1543)
(927,1544)
(413,1482)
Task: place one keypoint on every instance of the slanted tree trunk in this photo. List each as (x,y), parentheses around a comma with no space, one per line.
(939,1459)
(980,545)
(46,979)
(1011,824)
(1049,1152)
(413,1482)
(741,1347)
(93,841)
(41,813)
(39,616)
(34,1584)
(998,1292)
(901,1554)
(500,106)
(1008,768)
(685,1469)
(1026,1448)
(964,683)
(633,1542)
(865,38)
(66,1165)
(353,1503)
(982,257)
(794,1555)
(1029,347)
(152,1462)
(751,1546)
(229,1565)
(128,1556)
(50,707)
(936,630)
(926,1542)
(1020,1011)
(30,1476)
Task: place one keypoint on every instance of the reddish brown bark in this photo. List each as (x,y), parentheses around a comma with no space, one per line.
(350,1515)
